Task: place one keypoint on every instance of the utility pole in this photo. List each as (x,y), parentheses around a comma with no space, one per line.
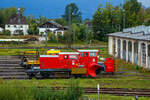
(124,15)
(69,24)
(87,35)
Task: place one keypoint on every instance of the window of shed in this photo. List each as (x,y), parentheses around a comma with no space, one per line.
(93,54)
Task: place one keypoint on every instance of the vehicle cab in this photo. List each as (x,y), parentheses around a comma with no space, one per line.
(87,57)
(69,59)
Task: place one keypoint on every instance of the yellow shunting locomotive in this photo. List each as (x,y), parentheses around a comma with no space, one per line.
(31,58)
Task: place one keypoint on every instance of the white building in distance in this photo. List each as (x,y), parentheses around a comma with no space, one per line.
(51,26)
(1,29)
(17,24)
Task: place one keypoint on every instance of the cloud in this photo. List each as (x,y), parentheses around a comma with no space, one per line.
(146,3)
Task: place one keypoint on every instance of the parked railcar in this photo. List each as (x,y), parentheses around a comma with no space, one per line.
(81,62)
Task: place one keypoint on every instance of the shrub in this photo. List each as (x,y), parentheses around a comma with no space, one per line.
(52,37)
(6,32)
(74,92)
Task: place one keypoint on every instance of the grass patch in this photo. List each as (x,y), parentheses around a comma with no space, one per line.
(17,91)
(43,44)
(127,82)
(42,51)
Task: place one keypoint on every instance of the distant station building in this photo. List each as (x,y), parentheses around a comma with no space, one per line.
(132,45)
(51,26)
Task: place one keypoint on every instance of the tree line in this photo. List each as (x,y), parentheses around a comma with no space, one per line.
(105,20)
(114,18)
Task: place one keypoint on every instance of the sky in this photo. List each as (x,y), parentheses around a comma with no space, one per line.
(146,3)
(55,8)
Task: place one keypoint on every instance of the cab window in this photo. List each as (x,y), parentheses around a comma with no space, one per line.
(86,54)
(81,54)
(72,56)
(92,54)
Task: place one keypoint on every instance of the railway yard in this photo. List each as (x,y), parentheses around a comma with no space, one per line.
(128,80)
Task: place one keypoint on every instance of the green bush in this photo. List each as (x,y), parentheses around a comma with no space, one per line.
(6,32)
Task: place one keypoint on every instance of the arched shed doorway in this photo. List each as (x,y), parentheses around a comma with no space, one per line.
(124,50)
(114,46)
(143,54)
(136,53)
(118,49)
(148,56)
(129,51)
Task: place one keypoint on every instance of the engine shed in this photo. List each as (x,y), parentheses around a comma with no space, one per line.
(132,45)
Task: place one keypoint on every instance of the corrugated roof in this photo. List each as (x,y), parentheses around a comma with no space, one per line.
(135,36)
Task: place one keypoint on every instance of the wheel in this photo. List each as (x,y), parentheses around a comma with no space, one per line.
(23,62)
(98,71)
(45,75)
(69,75)
(77,76)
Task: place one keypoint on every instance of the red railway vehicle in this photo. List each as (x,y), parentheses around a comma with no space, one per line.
(82,62)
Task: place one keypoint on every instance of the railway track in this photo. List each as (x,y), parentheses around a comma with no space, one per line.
(55,47)
(113,91)
(120,91)
(10,68)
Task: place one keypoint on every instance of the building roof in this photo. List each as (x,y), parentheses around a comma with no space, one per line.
(50,24)
(88,50)
(136,34)
(88,24)
(17,19)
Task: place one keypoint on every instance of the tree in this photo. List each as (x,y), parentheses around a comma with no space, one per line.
(42,19)
(105,21)
(21,10)
(61,21)
(5,14)
(33,25)
(131,10)
(73,11)
(52,37)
